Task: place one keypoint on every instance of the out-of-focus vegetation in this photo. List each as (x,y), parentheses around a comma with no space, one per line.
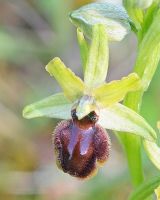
(32,32)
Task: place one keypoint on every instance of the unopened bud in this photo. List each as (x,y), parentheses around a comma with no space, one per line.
(113,17)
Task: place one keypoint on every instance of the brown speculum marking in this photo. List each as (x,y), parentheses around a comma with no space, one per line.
(80,145)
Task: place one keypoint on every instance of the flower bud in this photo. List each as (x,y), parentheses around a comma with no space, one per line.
(113,17)
(144,3)
(81,145)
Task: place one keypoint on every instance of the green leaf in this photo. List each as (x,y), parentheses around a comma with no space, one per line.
(113,17)
(71,84)
(84,49)
(55,106)
(115,91)
(97,63)
(153,152)
(149,53)
(120,118)
(145,189)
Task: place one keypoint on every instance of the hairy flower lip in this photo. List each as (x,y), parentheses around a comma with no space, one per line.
(88,150)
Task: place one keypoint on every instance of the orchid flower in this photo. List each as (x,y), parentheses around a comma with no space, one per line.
(88,107)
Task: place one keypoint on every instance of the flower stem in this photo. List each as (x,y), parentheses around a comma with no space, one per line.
(146,64)
(133,100)
(132,143)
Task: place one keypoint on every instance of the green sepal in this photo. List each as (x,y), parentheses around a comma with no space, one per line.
(120,118)
(84,48)
(55,106)
(113,17)
(71,84)
(97,62)
(113,92)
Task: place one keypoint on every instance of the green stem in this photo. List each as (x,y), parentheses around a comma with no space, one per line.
(146,64)
(132,143)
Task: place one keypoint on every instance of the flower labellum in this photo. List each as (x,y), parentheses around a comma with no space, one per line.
(80,145)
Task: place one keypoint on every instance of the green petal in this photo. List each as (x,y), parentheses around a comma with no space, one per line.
(120,118)
(113,17)
(153,152)
(84,49)
(97,63)
(115,91)
(145,189)
(55,106)
(71,84)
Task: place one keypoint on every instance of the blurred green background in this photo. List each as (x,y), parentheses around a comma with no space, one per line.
(32,32)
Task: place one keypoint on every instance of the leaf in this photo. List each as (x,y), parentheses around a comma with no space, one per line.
(149,53)
(115,91)
(55,106)
(113,17)
(97,63)
(153,152)
(71,84)
(84,49)
(120,118)
(145,189)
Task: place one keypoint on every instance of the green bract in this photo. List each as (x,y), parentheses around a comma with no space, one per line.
(93,93)
(146,189)
(153,150)
(135,13)
(149,52)
(114,18)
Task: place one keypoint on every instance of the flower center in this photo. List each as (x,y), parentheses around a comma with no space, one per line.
(86,122)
